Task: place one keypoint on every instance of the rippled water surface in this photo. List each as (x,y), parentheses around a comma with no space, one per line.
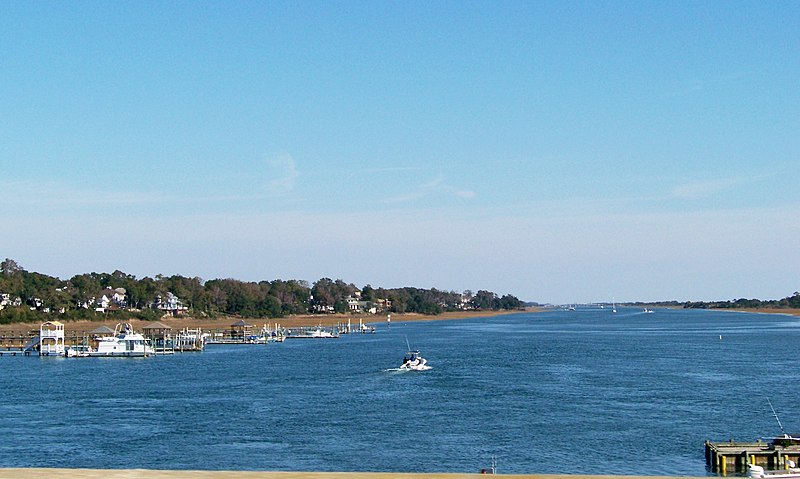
(583,391)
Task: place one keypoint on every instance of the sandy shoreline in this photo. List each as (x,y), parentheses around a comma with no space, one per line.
(788,311)
(37,473)
(287,322)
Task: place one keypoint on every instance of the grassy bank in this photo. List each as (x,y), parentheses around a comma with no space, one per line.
(288,322)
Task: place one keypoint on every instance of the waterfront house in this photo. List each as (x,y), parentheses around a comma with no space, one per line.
(356,305)
(170,304)
(115,296)
(102,303)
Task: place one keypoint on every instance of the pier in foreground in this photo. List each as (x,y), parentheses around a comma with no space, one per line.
(732,457)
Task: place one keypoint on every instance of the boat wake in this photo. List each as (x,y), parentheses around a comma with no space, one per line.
(405,370)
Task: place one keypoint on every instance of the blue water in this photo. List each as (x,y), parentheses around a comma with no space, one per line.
(580,391)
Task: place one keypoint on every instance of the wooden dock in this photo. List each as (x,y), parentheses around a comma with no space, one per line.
(163,341)
(16,352)
(733,457)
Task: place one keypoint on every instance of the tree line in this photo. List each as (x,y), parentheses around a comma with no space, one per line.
(789,302)
(222,297)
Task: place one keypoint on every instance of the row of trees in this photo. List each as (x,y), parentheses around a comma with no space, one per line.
(267,299)
(742,303)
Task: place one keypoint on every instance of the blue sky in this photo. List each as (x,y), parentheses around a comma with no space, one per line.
(557,151)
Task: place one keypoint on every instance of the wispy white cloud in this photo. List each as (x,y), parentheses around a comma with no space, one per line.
(389,169)
(438,186)
(433,187)
(705,188)
(282,174)
(381,171)
(405,198)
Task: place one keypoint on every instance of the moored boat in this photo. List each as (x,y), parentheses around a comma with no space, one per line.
(317,333)
(758,472)
(123,343)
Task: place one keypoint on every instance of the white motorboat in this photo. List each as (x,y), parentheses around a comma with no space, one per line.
(415,362)
(321,333)
(365,328)
(784,441)
(78,351)
(124,343)
(758,472)
(318,333)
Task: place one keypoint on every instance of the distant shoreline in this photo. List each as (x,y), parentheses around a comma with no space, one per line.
(786,311)
(294,321)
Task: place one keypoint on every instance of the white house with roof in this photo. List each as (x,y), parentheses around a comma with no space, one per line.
(109,299)
(169,304)
(117,296)
(355,305)
(5,300)
(102,303)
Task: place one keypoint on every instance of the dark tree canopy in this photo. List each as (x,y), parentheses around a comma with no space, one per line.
(72,298)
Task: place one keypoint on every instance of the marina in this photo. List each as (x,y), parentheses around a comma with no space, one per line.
(52,339)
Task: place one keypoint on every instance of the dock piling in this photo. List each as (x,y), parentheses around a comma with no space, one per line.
(735,456)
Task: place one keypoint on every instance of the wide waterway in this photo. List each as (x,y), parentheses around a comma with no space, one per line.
(575,392)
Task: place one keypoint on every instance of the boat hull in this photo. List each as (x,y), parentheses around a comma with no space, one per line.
(119,354)
(758,472)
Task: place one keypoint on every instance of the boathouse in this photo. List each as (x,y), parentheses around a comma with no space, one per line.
(101,331)
(240,330)
(160,336)
(51,339)
(96,333)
